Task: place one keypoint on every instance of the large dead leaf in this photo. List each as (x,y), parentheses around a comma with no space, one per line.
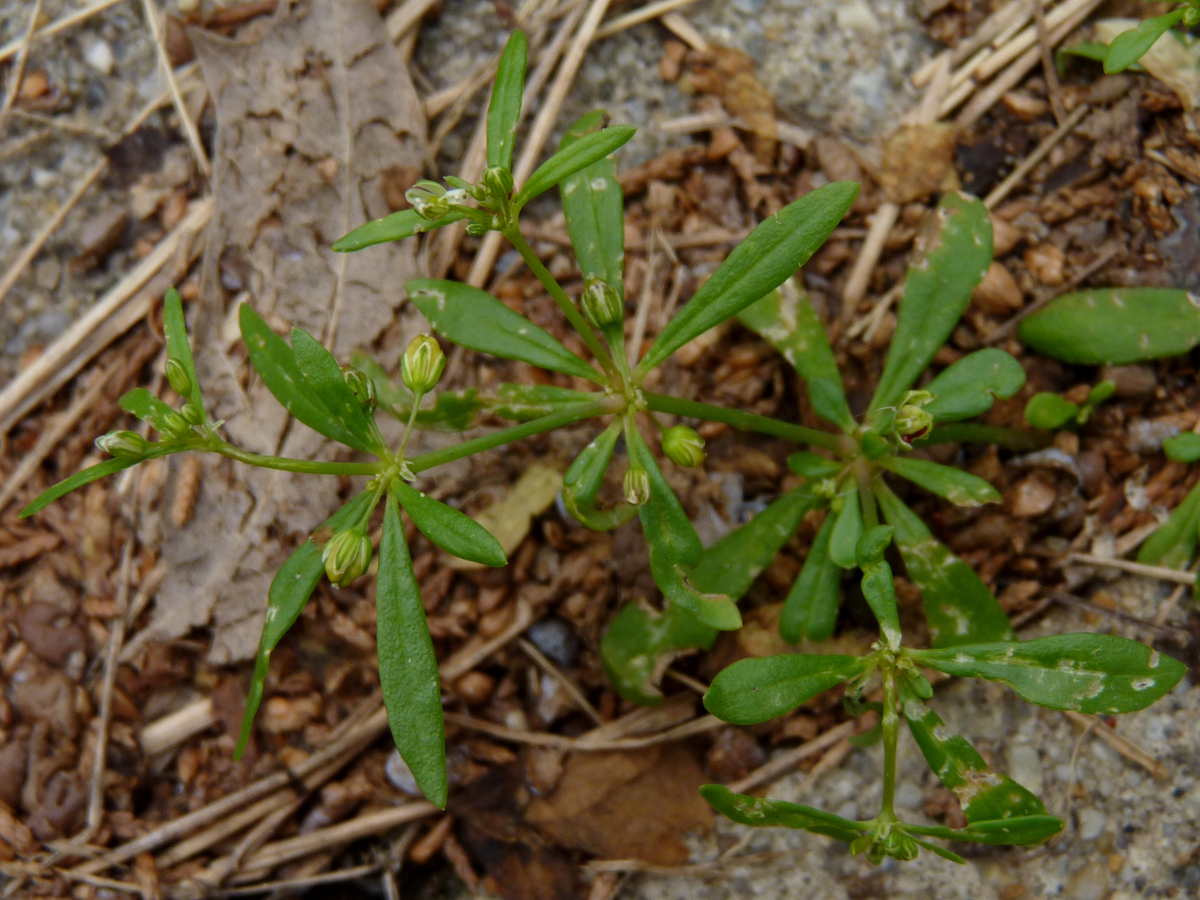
(309,116)
(634,804)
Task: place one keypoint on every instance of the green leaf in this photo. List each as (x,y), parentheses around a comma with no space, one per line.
(970,386)
(1049,411)
(1091,673)
(880,592)
(874,543)
(79,479)
(936,291)
(810,465)
(504,110)
(477,320)
(810,610)
(324,377)
(143,404)
(1173,544)
(584,478)
(290,589)
(175,331)
(1183,447)
(638,646)
(1022,831)
(957,486)
(757,690)
(984,796)
(394,227)
(572,158)
(595,210)
(773,252)
(958,605)
(1130,46)
(731,564)
(408,671)
(455,532)
(1093,50)
(674,546)
(759,812)
(785,318)
(276,365)
(847,530)
(1115,326)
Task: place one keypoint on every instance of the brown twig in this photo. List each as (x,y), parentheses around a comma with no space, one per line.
(185,119)
(17,73)
(68,21)
(1050,73)
(787,761)
(585,743)
(640,15)
(1177,576)
(562,678)
(1124,746)
(1040,152)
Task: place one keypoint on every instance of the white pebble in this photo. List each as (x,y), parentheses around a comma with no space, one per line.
(1091,824)
(100,57)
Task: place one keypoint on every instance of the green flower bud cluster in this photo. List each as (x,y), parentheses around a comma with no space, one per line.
(363,388)
(637,485)
(347,556)
(123,444)
(1191,17)
(602,304)
(432,201)
(422,364)
(911,418)
(882,843)
(683,446)
(178,378)
(497,186)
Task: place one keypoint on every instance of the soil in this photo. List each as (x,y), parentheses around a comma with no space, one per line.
(529,821)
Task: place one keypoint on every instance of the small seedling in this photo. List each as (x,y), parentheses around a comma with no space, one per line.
(1050,412)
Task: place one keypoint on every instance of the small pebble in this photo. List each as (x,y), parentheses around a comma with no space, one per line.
(1045,263)
(1091,824)
(100,57)
(998,293)
(1089,883)
(1032,496)
(555,638)
(1025,766)
(400,775)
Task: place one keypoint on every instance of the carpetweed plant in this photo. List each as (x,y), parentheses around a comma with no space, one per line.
(972,635)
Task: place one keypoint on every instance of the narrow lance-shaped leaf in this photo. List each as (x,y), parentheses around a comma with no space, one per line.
(786,319)
(290,589)
(638,646)
(674,546)
(957,486)
(970,386)
(572,158)
(757,690)
(79,479)
(408,671)
(1021,831)
(956,250)
(594,208)
(394,227)
(143,404)
(958,605)
(879,590)
(324,376)
(475,319)
(1091,673)
(810,465)
(584,478)
(1115,326)
(847,529)
(1130,46)
(275,363)
(760,812)
(773,252)
(504,109)
(810,610)
(731,564)
(984,796)
(1174,543)
(175,331)
(455,532)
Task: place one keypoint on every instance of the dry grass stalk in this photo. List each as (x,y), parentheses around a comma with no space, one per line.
(787,761)
(292,884)
(561,677)
(17,73)
(638,16)
(68,21)
(1053,87)
(860,276)
(683,29)
(1040,152)
(406,17)
(586,743)
(474,651)
(1176,576)
(994,25)
(1124,746)
(124,305)
(185,119)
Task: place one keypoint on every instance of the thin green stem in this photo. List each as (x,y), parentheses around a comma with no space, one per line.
(408,429)
(286,464)
(972,433)
(890,724)
(741,420)
(567,416)
(864,474)
(560,297)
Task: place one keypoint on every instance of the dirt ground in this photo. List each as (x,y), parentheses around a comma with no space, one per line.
(130,609)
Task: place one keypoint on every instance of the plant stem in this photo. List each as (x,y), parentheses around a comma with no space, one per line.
(286,464)
(970,432)
(560,297)
(741,420)
(412,418)
(555,420)
(890,724)
(864,474)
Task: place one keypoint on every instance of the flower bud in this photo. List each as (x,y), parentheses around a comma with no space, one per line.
(602,304)
(1191,17)
(637,485)
(123,444)
(422,364)
(175,425)
(478,229)
(499,182)
(178,378)
(683,446)
(432,201)
(363,388)
(911,418)
(346,556)
(191,414)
